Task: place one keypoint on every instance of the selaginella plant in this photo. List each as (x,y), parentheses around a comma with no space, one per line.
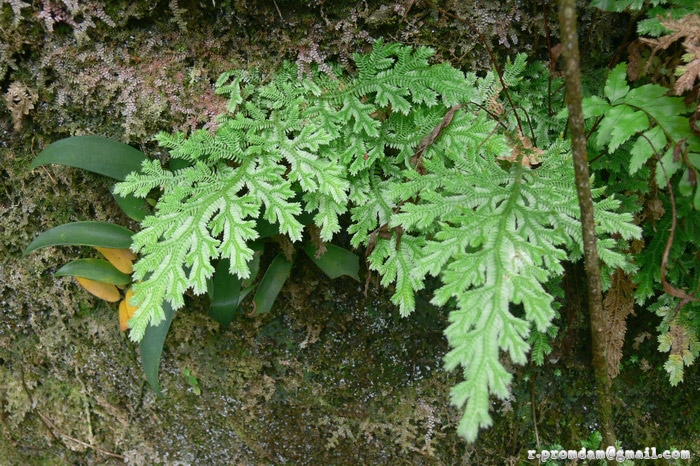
(424,165)
(105,278)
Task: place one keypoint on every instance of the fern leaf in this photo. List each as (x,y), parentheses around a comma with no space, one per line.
(429,192)
(397,265)
(376,210)
(276,199)
(540,347)
(354,109)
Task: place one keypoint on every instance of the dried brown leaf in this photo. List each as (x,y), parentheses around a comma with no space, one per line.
(286,246)
(680,340)
(639,339)
(688,29)
(618,304)
(20,100)
(319,244)
(689,72)
(634,65)
(523,151)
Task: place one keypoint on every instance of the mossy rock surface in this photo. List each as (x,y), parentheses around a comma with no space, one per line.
(329,376)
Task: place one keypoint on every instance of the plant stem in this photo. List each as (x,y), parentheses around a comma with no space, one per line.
(567,22)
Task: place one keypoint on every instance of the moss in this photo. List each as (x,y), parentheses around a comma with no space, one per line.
(329,376)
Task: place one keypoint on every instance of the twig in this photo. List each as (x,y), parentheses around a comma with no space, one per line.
(551,57)
(43,167)
(668,288)
(278,10)
(534,411)
(55,430)
(572,75)
(428,140)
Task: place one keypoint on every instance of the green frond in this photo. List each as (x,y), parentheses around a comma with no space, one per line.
(368,216)
(428,192)
(540,347)
(355,110)
(328,210)
(397,265)
(513,71)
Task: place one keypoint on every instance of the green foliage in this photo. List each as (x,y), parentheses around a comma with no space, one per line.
(94,269)
(100,155)
(115,160)
(97,234)
(193,382)
(654,10)
(593,441)
(335,261)
(93,153)
(644,144)
(657,125)
(151,348)
(225,293)
(540,344)
(271,284)
(435,182)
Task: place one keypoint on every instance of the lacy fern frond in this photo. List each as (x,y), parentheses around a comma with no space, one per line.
(503,232)
(433,183)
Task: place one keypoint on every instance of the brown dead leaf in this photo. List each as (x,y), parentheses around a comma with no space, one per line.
(688,29)
(20,100)
(689,72)
(523,151)
(680,340)
(618,304)
(319,244)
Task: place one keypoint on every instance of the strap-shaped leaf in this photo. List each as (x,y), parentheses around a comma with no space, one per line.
(94,269)
(224,290)
(152,347)
(93,153)
(103,156)
(106,291)
(132,206)
(121,259)
(271,284)
(336,261)
(98,234)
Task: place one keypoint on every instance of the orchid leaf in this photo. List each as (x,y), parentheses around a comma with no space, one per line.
(96,234)
(271,284)
(336,261)
(152,347)
(105,291)
(97,154)
(94,269)
(224,291)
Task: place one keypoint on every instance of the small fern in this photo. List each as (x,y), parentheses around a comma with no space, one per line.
(434,184)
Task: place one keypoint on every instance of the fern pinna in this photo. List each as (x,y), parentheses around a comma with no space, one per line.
(434,181)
